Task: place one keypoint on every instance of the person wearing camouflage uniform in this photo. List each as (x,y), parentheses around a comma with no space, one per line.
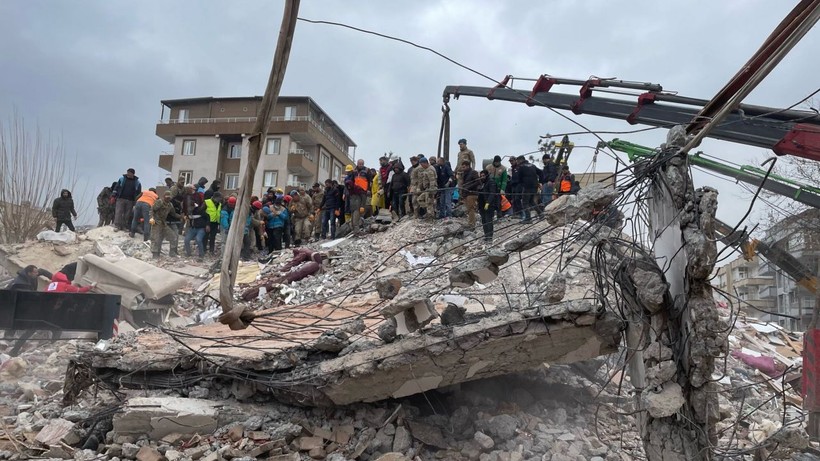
(317,194)
(161,211)
(104,206)
(423,184)
(301,207)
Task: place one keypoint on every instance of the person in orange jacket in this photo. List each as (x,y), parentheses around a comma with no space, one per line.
(61,284)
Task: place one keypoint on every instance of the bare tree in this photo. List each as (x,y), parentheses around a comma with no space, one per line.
(34,167)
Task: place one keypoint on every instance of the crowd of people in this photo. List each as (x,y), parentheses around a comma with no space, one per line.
(429,188)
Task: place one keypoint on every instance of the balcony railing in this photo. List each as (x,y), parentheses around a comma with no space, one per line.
(308,155)
(300,118)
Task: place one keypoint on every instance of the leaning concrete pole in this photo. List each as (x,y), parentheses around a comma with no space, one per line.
(811,370)
(675,333)
(233,315)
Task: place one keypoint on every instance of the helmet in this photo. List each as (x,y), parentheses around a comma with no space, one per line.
(279,191)
(257,204)
(294,192)
(288,198)
(349,168)
(231,200)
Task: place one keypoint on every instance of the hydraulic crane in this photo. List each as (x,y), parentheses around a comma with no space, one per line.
(802,193)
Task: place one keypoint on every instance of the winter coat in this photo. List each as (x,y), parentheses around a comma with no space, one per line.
(275,217)
(332,199)
(400,182)
(376,199)
(444,175)
(302,208)
(128,189)
(161,211)
(350,184)
(177,190)
(499,175)
(423,179)
(317,199)
(549,173)
(465,155)
(61,284)
(489,195)
(25,283)
(527,176)
(149,197)
(470,183)
(175,217)
(63,208)
(199,217)
(103,198)
(225,218)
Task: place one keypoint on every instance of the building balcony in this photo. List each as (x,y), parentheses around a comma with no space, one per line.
(166,161)
(304,130)
(301,162)
(754,281)
(767,292)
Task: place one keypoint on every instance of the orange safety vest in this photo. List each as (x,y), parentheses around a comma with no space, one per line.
(361,182)
(566,184)
(505,204)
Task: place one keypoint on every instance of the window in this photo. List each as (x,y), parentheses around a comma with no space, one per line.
(235,150)
(231,181)
(325,164)
(742,273)
(273,146)
(290,113)
(796,241)
(183,115)
(269,178)
(189,147)
(188,175)
(337,172)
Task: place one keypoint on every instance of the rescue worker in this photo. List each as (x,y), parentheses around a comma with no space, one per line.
(548,175)
(498,174)
(528,184)
(225,219)
(488,203)
(142,212)
(423,185)
(215,185)
(414,163)
(384,176)
(161,211)
(464,155)
(61,284)
(104,208)
(127,190)
(329,207)
(213,208)
(317,196)
(399,187)
(27,278)
(63,209)
(356,191)
(178,188)
(470,185)
(444,180)
(513,189)
(300,208)
(565,181)
(275,221)
(376,193)
(199,225)
(200,188)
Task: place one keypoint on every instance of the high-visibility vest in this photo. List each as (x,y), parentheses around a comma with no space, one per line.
(505,204)
(566,184)
(361,182)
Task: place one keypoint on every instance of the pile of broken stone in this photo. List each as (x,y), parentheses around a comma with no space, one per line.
(559,412)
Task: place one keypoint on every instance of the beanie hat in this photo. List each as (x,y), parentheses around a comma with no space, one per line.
(497,158)
(423,159)
(462,141)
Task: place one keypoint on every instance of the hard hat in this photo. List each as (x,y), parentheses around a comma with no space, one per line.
(288,198)
(231,200)
(257,204)
(349,168)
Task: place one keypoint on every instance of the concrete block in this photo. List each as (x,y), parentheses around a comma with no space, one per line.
(161,416)
(54,431)
(479,269)
(147,453)
(308,443)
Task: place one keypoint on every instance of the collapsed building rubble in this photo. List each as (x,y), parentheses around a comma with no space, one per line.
(416,342)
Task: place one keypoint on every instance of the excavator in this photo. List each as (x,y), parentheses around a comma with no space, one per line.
(784,131)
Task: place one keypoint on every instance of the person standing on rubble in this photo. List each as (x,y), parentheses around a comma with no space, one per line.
(27,278)
(213,208)
(104,208)
(566,181)
(548,175)
(444,180)
(497,173)
(142,211)
(225,218)
(528,184)
(161,211)
(62,210)
(301,208)
(470,185)
(356,191)
(489,201)
(316,197)
(198,222)
(423,185)
(215,185)
(329,206)
(414,164)
(178,188)
(275,221)
(200,188)
(464,155)
(384,177)
(258,223)
(127,190)
(175,221)
(513,189)
(399,186)
(287,235)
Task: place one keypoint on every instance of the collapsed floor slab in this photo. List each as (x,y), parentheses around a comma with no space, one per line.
(440,356)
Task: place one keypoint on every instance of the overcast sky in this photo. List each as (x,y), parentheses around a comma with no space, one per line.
(94,71)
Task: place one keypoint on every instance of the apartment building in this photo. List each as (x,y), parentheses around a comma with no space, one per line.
(747,286)
(209,137)
(799,235)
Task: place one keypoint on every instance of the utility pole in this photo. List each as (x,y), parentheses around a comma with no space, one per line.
(234,316)
(811,363)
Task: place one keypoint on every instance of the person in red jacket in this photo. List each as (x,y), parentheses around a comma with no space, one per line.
(61,284)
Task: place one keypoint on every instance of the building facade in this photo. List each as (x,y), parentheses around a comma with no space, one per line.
(210,139)
(747,286)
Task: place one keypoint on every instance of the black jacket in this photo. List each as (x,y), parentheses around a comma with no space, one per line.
(25,283)
(471,182)
(489,194)
(63,208)
(549,173)
(444,175)
(202,219)
(128,189)
(332,199)
(400,182)
(527,177)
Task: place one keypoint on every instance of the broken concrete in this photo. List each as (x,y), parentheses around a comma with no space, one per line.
(569,208)
(158,417)
(477,270)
